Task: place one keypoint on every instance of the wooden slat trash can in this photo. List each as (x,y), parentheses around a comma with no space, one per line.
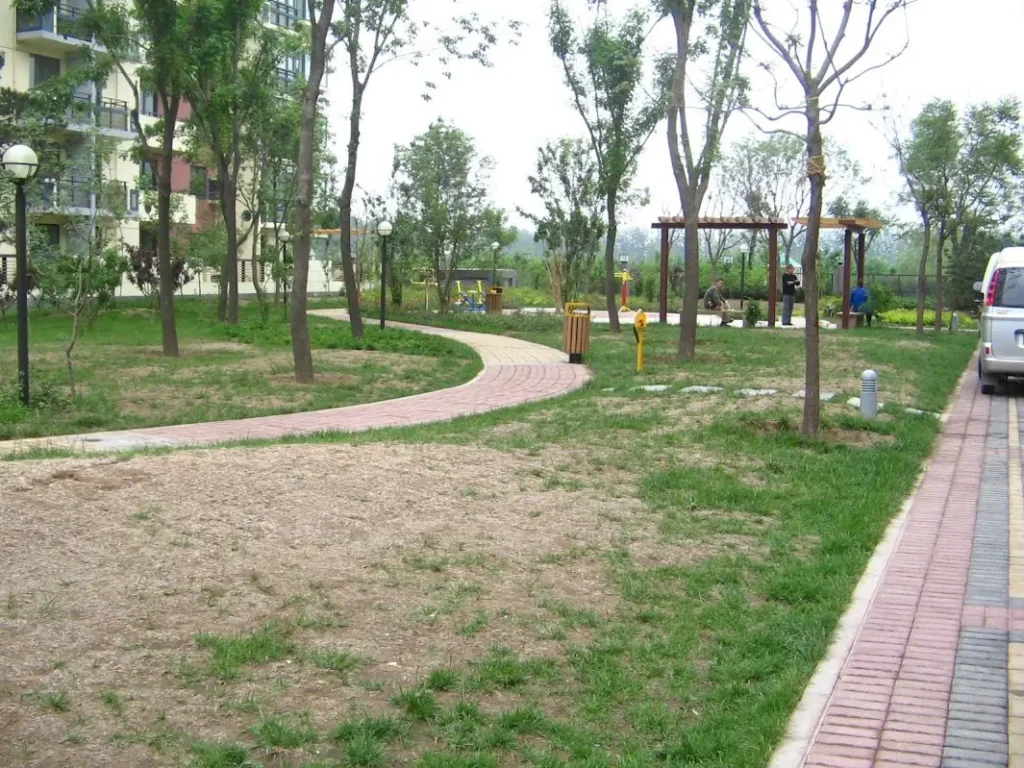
(493,302)
(576,335)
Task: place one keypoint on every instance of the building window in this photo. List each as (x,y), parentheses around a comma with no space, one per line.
(147,239)
(43,68)
(146,180)
(49,239)
(284,13)
(148,103)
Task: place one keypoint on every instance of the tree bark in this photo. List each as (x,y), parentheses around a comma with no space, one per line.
(163,230)
(691,281)
(609,266)
(301,352)
(229,275)
(345,211)
(922,272)
(812,372)
(938,275)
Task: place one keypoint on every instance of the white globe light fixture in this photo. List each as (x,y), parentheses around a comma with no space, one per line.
(495,245)
(285,236)
(384,229)
(21,162)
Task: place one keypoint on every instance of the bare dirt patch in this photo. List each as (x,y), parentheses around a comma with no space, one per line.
(111,568)
(857,438)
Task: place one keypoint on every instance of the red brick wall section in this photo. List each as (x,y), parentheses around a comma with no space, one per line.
(181,175)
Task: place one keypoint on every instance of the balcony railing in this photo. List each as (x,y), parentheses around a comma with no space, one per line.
(281,13)
(103,113)
(286,76)
(63,20)
(56,194)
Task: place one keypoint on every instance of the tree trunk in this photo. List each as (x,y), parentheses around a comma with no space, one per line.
(163,232)
(812,372)
(691,281)
(609,266)
(938,275)
(301,352)
(229,277)
(68,352)
(922,272)
(345,209)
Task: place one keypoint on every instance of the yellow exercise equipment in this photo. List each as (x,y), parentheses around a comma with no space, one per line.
(639,328)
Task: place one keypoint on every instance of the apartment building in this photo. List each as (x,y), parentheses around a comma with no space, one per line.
(98,132)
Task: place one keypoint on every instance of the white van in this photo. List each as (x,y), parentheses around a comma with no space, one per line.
(1002,319)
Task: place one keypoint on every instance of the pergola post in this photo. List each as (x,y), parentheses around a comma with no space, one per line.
(663,288)
(847,249)
(860,256)
(773,267)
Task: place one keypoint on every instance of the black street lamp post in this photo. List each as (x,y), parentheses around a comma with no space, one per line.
(384,229)
(22,163)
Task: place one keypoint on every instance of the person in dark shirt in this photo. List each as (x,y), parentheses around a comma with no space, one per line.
(789,285)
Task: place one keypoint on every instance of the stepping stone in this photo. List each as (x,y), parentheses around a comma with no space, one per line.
(608,389)
(924,413)
(654,387)
(756,392)
(825,396)
(698,390)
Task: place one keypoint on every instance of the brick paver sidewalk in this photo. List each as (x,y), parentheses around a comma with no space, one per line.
(933,676)
(515,372)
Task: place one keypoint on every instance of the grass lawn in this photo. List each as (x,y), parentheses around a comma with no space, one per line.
(613,578)
(224,373)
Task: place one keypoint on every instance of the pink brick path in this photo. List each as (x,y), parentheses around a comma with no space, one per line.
(890,705)
(515,372)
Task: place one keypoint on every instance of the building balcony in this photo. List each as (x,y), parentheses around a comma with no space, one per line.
(81,197)
(109,116)
(55,32)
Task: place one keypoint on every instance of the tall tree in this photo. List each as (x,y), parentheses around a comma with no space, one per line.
(231,85)
(320,15)
(160,32)
(603,68)
(567,182)
(823,72)
(722,91)
(441,186)
(927,158)
(986,187)
(374,33)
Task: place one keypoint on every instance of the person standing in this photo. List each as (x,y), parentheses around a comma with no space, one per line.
(789,285)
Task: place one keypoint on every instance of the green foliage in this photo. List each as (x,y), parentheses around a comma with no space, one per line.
(753,314)
(880,298)
(572,225)
(284,732)
(219,755)
(907,318)
(440,181)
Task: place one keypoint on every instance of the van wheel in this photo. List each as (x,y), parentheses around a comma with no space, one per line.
(988,384)
(988,389)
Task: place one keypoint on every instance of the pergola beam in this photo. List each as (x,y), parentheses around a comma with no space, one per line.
(773,226)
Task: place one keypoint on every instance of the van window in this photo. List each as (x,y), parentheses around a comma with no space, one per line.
(1010,287)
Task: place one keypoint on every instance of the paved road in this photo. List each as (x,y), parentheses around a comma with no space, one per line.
(934,673)
(515,372)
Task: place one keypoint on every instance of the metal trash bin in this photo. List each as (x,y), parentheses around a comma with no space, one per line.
(494,302)
(576,333)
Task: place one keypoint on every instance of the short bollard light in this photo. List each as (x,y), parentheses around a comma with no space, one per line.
(869,394)
(639,327)
(954,323)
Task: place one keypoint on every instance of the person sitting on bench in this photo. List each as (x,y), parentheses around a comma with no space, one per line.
(715,301)
(859,301)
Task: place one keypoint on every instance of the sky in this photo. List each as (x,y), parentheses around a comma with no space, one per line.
(521,102)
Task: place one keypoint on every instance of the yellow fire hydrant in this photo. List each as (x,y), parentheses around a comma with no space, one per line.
(639,327)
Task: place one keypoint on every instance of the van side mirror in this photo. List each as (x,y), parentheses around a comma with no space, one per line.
(977,287)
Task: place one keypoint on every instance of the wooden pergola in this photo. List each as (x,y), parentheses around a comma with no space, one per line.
(850,227)
(773,226)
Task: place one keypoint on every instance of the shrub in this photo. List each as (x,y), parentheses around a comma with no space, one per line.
(753,314)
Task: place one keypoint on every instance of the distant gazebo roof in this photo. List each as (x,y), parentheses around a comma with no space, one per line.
(722,222)
(853,224)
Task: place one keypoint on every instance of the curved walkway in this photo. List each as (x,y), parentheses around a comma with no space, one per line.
(514,372)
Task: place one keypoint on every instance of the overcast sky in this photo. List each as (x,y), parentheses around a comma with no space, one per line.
(521,102)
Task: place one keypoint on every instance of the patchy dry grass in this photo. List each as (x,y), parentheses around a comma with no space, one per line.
(124,382)
(606,579)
